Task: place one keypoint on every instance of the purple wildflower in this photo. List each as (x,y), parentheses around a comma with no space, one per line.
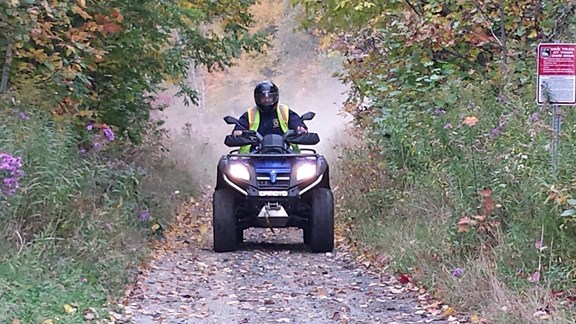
(22,115)
(458,272)
(97,146)
(144,215)
(448,126)
(534,117)
(439,112)
(90,126)
(494,132)
(10,173)
(109,134)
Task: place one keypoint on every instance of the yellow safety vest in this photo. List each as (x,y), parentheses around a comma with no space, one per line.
(254,122)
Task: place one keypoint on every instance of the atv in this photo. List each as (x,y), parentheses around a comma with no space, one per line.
(273,186)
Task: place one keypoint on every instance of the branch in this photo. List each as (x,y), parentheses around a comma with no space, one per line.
(503,34)
(413,8)
(6,69)
(484,17)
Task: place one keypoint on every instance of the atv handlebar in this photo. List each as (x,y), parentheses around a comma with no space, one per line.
(250,137)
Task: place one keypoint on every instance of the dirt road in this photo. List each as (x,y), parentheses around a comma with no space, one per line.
(272,278)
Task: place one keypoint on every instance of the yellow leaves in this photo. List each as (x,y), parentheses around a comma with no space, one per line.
(85,113)
(69,309)
(449,311)
(475,318)
(82,3)
(36,54)
(363,5)
(79,11)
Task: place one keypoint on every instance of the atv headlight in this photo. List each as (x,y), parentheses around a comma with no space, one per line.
(305,171)
(239,171)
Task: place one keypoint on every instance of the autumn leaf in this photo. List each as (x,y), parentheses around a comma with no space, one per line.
(449,311)
(487,203)
(79,11)
(404,279)
(111,28)
(470,121)
(69,309)
(117,16)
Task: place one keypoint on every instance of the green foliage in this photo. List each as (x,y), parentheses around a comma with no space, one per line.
(444,94)
(102,60)
(74,225)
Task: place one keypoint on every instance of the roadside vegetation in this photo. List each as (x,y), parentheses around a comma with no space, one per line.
(86,181)
(453,183)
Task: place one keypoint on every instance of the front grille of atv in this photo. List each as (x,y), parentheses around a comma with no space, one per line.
(282,181)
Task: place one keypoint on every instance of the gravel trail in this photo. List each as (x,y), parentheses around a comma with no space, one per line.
(272,278)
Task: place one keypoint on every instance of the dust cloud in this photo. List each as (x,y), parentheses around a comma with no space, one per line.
(294,63)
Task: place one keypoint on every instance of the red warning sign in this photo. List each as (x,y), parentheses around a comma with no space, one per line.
(556,74)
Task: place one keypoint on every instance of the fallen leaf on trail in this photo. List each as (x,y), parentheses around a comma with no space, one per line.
(336,316)
(69,309)
(203,229)
(434,305)
(475,319)
(404,279)
(449,311)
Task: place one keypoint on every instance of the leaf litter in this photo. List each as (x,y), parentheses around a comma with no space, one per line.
(271,278)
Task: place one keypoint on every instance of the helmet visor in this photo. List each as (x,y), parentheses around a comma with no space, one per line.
(266,98)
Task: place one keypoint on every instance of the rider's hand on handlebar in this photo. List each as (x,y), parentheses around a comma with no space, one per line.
(301,129)
(237,133)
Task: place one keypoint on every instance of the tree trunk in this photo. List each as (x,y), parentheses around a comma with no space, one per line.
(6,69)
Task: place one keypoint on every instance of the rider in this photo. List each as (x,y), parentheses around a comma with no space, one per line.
(269,117)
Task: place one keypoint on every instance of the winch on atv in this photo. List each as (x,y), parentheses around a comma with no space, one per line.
(273,187)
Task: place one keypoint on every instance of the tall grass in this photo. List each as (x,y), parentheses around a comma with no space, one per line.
(442,194)
(79,223)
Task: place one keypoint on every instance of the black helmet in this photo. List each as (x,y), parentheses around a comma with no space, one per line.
(266,96)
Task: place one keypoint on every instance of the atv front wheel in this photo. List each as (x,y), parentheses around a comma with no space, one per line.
(306,236)
(321,230)
(224,221)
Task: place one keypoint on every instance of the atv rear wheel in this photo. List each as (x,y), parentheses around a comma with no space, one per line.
(224,221)
(239,235)
(321,230)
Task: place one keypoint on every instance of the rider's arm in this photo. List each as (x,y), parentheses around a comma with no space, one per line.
(243,121)
(294,121)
